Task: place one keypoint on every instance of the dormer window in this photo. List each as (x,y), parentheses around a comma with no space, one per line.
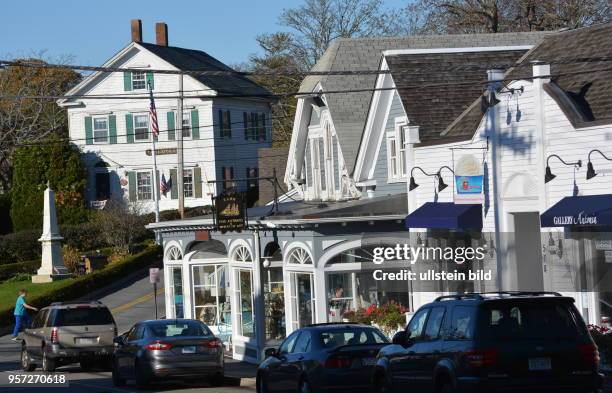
(139,80)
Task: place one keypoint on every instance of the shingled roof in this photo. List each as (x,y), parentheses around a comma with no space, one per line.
(349,110)
(196,60)
(582,89)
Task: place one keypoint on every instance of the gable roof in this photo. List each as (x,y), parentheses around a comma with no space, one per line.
(584,97)
(437,87)
(197,60)
(349,110)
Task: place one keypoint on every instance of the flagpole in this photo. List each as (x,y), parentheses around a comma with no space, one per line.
(155,179)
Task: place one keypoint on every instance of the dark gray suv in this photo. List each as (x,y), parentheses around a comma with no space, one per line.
(492,342)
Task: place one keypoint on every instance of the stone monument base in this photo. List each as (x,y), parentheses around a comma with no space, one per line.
(43,278)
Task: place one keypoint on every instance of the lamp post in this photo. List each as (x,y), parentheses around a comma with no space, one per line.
(590,170)
(549,175)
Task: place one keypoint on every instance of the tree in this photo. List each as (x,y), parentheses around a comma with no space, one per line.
(497,16)
(30,120)
(54,161)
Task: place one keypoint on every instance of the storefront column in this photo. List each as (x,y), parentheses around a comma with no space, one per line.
(258,296)
(320,289)
(187,282)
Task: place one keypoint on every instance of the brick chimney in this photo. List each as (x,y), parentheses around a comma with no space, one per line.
(136,30)
(161,34)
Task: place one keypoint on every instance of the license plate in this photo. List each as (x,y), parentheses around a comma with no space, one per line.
(368,361)
(190,349)
(539,364)
(86,340)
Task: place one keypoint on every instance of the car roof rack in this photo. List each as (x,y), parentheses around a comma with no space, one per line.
(334,323)
(459,296)
(75,302)
(499,294)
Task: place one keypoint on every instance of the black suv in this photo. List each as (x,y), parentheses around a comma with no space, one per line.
(492,342)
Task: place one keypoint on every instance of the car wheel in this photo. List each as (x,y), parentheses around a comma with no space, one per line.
(117,380)
(142,382)
(304,387)
(261,383)
(217,380)
(26,362)
(87,365)
(48,364)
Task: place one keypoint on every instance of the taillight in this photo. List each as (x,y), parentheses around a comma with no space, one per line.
(54,336)
(589,353)
(158,346)
(338,362)
(478,358)
(214,343)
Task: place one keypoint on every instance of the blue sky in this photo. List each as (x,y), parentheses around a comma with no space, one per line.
(93,31)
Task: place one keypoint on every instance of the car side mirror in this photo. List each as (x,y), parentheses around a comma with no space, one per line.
(119,340)
(400,338)
(269,352)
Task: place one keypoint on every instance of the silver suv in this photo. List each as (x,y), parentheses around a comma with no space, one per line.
(69,332)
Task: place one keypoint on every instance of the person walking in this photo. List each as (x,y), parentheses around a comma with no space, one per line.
(22,319)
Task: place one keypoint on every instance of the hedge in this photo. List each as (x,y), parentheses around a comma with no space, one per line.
(11,269)
(75,288)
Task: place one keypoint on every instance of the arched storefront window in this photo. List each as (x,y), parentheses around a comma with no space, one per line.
(175,273)
(243,290)
(274,295)
(299,256)
(242,254)
(174,254)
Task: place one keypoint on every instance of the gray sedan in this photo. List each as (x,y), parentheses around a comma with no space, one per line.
(168,349)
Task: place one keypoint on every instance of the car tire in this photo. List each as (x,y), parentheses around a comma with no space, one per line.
(142,381)
(261,384)
(26,361)
(87,365)
(48,364)
(304,386)
(217,380)
(117,380)
(381,384)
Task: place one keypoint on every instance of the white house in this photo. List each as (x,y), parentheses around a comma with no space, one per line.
(225,119)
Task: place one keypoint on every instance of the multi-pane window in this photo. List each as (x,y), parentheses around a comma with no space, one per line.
(261,133)
(100,129)
(211,300)
(255,126)
(139,81)
(392,157)
(186,125)
(402,151)
(188,183)
(225,124)
(144,191)
(227,175)
(141,127)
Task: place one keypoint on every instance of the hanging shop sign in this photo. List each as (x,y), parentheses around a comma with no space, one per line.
(469,180)
(230,212)
(161,152)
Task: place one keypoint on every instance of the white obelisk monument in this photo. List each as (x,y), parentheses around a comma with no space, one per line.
(52,266)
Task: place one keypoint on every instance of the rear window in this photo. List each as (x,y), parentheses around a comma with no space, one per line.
(332,338)
(543,320)
(180,329)
(82,316)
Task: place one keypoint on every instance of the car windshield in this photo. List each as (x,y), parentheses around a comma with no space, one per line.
(179,329)
(530,320)
(350,335)
(83,316)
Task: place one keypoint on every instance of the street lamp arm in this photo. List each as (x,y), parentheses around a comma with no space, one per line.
(421,169)
(600,152)
(445,167)
(576,163)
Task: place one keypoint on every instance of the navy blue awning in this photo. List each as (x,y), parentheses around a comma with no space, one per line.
(579,210)
(446,215)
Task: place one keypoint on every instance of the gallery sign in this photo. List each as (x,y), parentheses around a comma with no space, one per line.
(230,212)
(578,219)
(469,180)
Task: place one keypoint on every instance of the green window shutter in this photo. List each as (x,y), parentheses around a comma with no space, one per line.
(173,184)
(197,181)
(132,185)
(195,124)
(170,117)
(88,131)
(129,127)
(150,81)
(245,125)
(127,81)
(112,129)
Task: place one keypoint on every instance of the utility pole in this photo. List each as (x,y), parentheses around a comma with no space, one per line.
(179,150)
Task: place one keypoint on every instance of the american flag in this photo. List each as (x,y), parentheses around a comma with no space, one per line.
(154,125)
(163,185)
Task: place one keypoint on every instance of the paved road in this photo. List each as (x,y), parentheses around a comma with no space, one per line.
(130,300)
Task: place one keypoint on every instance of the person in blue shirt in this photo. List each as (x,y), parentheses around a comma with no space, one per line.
(22,319)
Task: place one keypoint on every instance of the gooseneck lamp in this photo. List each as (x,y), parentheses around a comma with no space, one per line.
(549,175)
(441,184)
(414,184)
(590,170)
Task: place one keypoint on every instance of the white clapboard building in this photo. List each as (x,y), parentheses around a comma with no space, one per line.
(225,119)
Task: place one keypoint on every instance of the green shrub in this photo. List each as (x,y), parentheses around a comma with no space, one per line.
(6,224)
(20,246)
(84,237)
(76,288)
(9,270)
(58,163)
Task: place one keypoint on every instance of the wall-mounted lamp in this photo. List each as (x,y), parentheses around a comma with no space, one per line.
(590,170)
(441,184)
(266,262)
(414,184)
(549,175)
